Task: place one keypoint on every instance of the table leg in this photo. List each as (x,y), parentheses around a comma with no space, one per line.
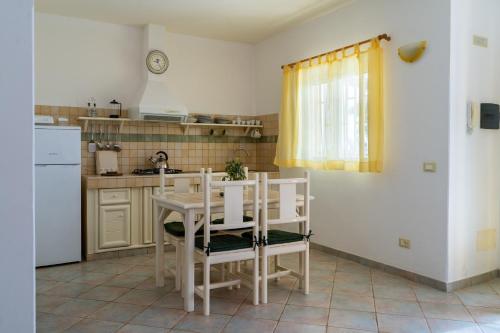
(188,275)
(160,246)
(301,254)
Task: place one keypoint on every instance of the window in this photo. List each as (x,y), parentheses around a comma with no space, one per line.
(331,115)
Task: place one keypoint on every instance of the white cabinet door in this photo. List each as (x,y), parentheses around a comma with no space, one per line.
(114,226)
(147,216)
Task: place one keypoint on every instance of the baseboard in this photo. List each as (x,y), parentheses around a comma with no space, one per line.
(440,285)
(467,282)
(126,252)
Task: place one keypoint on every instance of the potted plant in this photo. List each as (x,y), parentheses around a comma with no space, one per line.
(235,171)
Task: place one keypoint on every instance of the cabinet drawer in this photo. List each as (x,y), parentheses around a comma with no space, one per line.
(114,196)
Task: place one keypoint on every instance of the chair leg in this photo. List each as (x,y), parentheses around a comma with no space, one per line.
(178,266)
(256,289)
(301,270)
(276,264)
(223,272)
(306,270)
(230,264)
(264,274)
(238,271)
(206,287)
(301,260)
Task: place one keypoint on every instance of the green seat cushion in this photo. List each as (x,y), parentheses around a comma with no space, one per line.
(177,229)
(221,220)
(221,243)
(276,236)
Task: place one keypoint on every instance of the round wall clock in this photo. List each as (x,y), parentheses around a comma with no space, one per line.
(157,62)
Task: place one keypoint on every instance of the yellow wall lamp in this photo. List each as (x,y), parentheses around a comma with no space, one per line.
(412,52)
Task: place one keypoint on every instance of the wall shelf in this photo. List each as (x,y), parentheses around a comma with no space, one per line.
(120,121)
(247,128)
(110,121)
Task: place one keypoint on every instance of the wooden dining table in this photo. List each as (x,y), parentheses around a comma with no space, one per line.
(191,205)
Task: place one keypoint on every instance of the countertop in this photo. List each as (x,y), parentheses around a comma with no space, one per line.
(131,180)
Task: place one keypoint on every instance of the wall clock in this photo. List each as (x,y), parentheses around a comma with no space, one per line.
(157,62)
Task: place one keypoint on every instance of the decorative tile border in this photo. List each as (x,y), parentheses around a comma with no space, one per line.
(184,138)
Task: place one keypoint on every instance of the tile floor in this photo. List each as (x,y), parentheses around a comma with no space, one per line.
(118,295)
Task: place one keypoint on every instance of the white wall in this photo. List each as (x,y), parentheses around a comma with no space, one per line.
(474,157)
(17,277)
(77,58)
(211,76)
(364,214)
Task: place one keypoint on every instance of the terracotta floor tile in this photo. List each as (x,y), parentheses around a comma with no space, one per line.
(119,294)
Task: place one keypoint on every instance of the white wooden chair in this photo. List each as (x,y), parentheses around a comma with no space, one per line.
(174,230)
(219,219)
(277,242)
(227,248)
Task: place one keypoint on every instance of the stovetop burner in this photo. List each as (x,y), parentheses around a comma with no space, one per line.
(149,172)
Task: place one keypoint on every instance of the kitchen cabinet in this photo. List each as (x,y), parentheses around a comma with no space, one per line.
(118,219)
(114,226)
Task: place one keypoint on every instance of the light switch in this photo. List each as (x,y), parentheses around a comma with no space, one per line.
(480,41)
(404,243)
(430,167)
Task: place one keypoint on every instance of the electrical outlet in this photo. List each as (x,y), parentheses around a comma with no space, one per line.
(404,243)
(429,167)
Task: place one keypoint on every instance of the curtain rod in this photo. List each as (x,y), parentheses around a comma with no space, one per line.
(379,37)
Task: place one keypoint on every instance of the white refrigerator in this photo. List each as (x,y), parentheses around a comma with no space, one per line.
(57,195)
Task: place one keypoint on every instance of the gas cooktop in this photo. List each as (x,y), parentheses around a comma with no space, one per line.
(149,172)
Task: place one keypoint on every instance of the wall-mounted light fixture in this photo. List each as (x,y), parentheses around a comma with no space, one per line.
(412,52)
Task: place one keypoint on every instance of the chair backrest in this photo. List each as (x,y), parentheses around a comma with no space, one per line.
(234,200)
(287,201)
(182,181)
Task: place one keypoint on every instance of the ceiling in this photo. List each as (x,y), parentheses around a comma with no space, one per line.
(247,21)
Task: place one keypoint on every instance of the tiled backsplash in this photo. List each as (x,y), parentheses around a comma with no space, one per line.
(190,152)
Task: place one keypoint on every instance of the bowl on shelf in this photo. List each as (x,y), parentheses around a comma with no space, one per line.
(222,121)
(205,119)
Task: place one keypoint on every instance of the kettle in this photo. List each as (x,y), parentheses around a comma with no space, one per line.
(160,160)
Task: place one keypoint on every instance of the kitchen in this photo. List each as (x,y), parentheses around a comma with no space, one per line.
(119,141)
(373,125)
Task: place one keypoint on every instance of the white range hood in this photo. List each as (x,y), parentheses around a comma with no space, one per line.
(156,102)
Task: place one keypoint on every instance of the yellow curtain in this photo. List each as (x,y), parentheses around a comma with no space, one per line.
(332,114)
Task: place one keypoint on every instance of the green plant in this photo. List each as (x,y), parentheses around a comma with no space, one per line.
(235,170)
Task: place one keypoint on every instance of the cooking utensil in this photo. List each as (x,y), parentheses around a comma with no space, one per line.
(100,145)
(92,145)
(108,144)
(256,134)
(117,146)
(160,160)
